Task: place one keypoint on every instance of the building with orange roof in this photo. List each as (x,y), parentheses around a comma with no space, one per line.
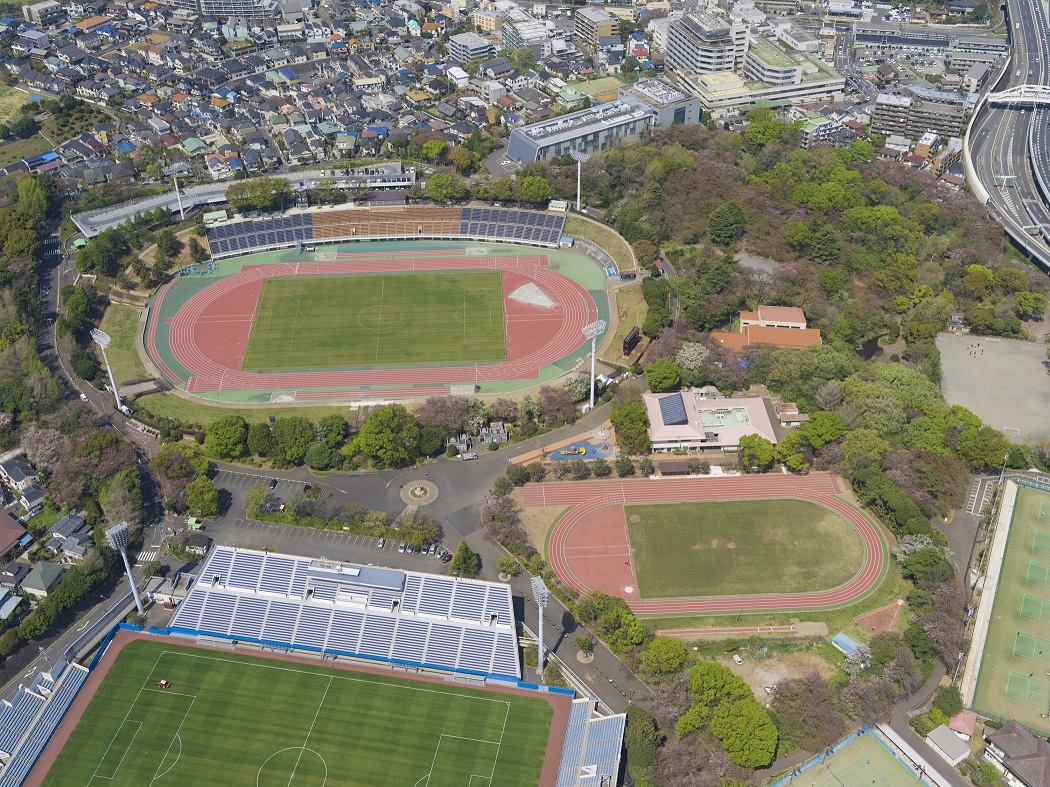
(91,23)
(773,326)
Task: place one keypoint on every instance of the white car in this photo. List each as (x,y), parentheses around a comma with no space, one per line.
(401,547)
(739,661)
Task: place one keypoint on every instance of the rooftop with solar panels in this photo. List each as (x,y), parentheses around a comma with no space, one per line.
(692,420)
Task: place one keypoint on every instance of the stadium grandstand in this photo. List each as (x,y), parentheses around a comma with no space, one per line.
(378,614)
(591,752)
(426,222)
(29,719)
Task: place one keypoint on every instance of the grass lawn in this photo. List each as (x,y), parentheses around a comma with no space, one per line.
(121,323)
(14,151)
(740,547)
(631,309)
(239,720)
(1019,645)
(193,411)
(10,102)
(614,245)
(597,87)
(378,320)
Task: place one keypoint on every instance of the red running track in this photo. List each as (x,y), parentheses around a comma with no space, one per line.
(209,334)
(821,488)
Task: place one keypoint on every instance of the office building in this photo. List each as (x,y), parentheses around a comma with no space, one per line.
(701,43)
(464,47)
(671,106)
(591,23)
(588,130)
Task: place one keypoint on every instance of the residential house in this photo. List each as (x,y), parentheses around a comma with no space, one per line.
(1020,755)
(17,472)
(43,578)
(13,573)
(11,533)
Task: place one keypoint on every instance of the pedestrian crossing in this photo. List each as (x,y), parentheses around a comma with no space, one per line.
(146,557)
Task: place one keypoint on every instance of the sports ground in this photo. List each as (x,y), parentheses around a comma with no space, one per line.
(380,320)
(241,720)
(740,547)
(592,546)
(1014,677)
(375,321)
(863,762)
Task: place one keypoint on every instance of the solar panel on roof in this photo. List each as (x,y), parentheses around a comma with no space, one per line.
(672,410)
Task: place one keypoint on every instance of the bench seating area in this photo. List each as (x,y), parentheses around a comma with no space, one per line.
(31,717)
(244,236)
(591,748)
(394,616)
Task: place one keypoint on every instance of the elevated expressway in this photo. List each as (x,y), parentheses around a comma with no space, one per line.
(1007,153)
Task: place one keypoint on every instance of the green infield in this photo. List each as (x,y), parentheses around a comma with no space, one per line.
(239,720)
(740,547)
(1011,680)
(409,319)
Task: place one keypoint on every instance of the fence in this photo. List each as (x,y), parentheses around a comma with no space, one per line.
(1042,483)
(841,744)
(596,252)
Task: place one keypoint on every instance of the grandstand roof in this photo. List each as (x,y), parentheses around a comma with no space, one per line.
(405,617)
(592,746)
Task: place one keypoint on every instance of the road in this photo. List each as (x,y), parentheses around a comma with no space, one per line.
(1009,145)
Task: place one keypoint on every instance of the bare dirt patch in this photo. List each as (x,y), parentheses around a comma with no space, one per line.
(785,666)
(537,521)
(881,619)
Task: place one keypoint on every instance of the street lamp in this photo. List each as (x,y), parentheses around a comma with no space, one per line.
(43,653)
(118,537)
(579,157)
(542,596)
(103,341)
(592,331)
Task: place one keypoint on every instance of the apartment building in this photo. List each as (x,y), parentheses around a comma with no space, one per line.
(591,23)
(702,43)
(464,47)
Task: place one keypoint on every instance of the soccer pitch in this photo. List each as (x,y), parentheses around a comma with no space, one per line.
(409,319)
(243,720)
(740,547)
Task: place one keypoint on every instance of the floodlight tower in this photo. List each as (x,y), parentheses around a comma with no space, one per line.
(592,331)
(542,596)
(579,157)
(118,537)
(103,340)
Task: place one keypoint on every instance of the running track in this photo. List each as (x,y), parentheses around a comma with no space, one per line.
(821,488)
(574,303)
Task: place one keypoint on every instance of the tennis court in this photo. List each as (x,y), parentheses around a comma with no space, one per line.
(1012,682)
(863,762)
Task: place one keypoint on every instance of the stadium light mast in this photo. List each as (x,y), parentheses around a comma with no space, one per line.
(119,536)
(580,158)
(542,596)
(102,340)
(592,332)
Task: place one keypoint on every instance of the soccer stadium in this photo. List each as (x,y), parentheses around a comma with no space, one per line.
(287,670)
(377,303)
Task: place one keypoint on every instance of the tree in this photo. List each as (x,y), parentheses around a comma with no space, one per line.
(202,498)
(197,252)
(948,701)
(419,530)
(662,375)
(756,453)
(801,709)
(505,564)
(641,740)
(445,188)
(691,357)
(167,244)
(226,437)
(663,656)
(928,565)
(292,435)
(555,406)
(434,149)
(822,428)
(788,453)
(631,421)
(333,429)
(624,466)
(319,456)
(466,562)
(260,439)
(254,501)
(746,732)
(533,189)
(389,437)
(983,448)
(84,364)
(726,223)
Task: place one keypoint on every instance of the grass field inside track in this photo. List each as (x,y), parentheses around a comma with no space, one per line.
(234,720)
(740,548)
(411,319)
(1012,682)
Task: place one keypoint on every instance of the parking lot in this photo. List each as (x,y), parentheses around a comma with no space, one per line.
(234,529)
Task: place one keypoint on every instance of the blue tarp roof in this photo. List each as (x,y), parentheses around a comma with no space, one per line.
(844,643)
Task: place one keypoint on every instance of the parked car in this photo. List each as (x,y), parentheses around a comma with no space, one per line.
(401,547)
(442,552)
(468,457)
(273,483)
(739,661)
(381,543)
(446,558)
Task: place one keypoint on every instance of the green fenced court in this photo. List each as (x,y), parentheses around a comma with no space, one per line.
(1038,573)
(241,720)
(864,762)
(1011,681)
(1044,511)
(396,319)
(1033,648)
